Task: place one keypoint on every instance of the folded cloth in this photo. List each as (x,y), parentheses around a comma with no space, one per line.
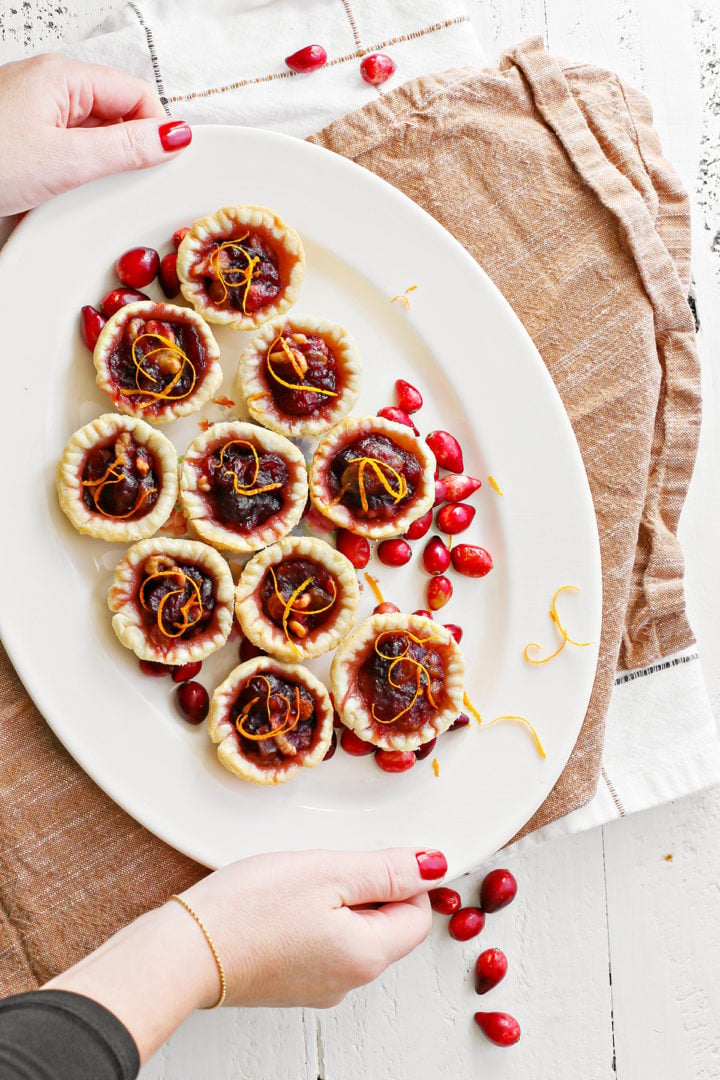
(552,177)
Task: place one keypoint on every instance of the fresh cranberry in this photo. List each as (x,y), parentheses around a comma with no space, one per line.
(439,591)
(248,650)
(355,548)
(490,967)
(398,416)
(424,613)
(138,267)
(394,761)
(377,68)
(168,275)
(500,1028)
(337,722)
(394,552)
(455,630)
(118,298)
(310,58)
(446,449)
(455,518)
(179,235)
(445,901)
(417,530)
(193,701)
(462,721)
(498,889)
(386,608)
(331,748)
(153,667)
(459,487)
(187,671)
(352,745)
(471,560)
(466,923)
(425,750)
(440,493)
(91,323)
(435,556)
(407,396)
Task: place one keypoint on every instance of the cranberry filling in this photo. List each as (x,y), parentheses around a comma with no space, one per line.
(149,373)
(176,599)
(395,472)
(311,608)
(232,474)
(386,701)
(119,479)
(225,274)
(300,359)
(262,706)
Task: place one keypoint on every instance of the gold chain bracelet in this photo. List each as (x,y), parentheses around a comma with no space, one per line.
(213,950)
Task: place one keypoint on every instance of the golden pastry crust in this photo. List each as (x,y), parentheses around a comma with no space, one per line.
(141,632)
(223,732)
(410,507)
(113,429)
(235,223)
(196,490)
(298,643)
(352,704)
(256,382)
(201,361)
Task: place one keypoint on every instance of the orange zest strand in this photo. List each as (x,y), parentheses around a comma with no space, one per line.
(228,402)
(288,608)
(287,724)
(166,345)
(250,489)
(246,273)
(420,670)
(436,766)
(104,481)
(204,425)
(375,586)
(471,708)
(377,467)
(526,723)
(566,639)
(494,484)
(403,297)
(291,357)
(256,397)
(194,601)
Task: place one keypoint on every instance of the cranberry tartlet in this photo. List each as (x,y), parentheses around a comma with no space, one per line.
(241,266)
(242,487)
(297,599)
(300,375)
(269,720)
(157,361)
(397,680)
(372,476)
(173,600)
(117,478)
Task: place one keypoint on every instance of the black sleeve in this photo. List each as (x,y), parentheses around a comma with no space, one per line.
(57,1035)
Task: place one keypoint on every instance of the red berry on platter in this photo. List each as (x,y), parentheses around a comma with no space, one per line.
(490,967)
(459,487)
(466,923)
(445,901)
(248,650)
(193,701)
(446,449)
(424,613)
(179,235)
(435,556)
(138,267)
(500,1028)
(471,560)
(91,323)
(408,396)
(355,548)
(386,608)
(153,667)
(454,518)
(310,58)
(439,591)
(377,68)
(462,721)
(455,630)
(440,493)
(425,750)
(417,530)
(394,552)
(118,298)
(331,748)
(394,761)
(187,671)
(398,416)
(498,889)
(352,745)
(168,275)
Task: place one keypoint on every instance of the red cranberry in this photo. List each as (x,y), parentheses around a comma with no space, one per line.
(248,650)
(394,552)
(193,701)
(331,748)
(386,608)
(446,449)
(352,745)
(424,613)
(460,487)
(408,397)
(490,967)
(439,591)
(187,671)
(118,298)
(498,889)
(337,722)
(394,761)
(462,721)
(355,548)
(471,560)
(455,518)
(168,275)
(445,901)
(377,68)
(179,235)
(310,58)
(138,267)
(466,923)
(440,493)
(152,667)
(398,416)
(425,750)
(418,528)
(500,1028)
(435,556)
(455,630)
(91,323)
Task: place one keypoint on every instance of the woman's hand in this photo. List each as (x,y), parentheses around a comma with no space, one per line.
(63,123)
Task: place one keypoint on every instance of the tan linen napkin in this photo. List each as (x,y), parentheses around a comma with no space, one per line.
(552,177)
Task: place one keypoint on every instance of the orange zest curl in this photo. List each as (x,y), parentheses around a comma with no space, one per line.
(289,609)
(166,345)
(246,273)
(403,296)
(250,489)
(526,723)
(377,467)
(288,722)
(471,708)
(193,602)
(420,671)
(104,481)
(566,639)
(226,401)
(375,586)
(436,766)
(494,485)
(296,368)
(204,425)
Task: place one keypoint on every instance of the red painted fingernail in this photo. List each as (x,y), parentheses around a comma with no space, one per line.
(174,135)
(433,864)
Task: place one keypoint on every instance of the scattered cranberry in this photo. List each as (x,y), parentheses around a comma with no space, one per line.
(446,449)
(193,701)
(455,630)
(352,745)
(471,560)
(152,667)
(118,298)
(331,748)
(500,1028)
(248,650)
(445,901)
(439,591)
(435,556)
(424,613)
(455,518)
(498,889)
(91,323)
(398,416)
(337,722)
(466,923)
(394,761)
(377,68)
(440,493)
(459,487)
(310,58)
(418,528)
(187,671)
(179,235)
(490,967)
(394,552)
(408,397)
(355,548)
(425,750)
(386,608)
(168,275)
(462,721)
(138,267)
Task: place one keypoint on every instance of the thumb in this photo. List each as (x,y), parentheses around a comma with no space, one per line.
(133,144)
(389,875)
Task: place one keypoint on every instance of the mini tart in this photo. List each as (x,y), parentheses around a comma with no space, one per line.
(297,599)
(117,478)
(429,696)
(264,696)
(157,361)
(242,487)
(241,266)
(173,600)
(372,476)
(283,364)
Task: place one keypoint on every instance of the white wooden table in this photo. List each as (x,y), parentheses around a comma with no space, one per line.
(614,947)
